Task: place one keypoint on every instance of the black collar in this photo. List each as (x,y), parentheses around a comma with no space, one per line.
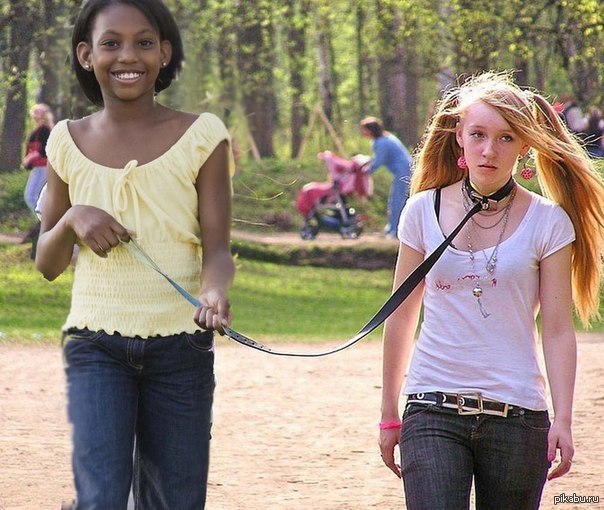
(488,202)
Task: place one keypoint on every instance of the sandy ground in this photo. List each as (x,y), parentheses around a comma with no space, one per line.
(289,434)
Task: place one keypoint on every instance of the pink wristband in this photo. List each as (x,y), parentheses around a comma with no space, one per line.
(386,425)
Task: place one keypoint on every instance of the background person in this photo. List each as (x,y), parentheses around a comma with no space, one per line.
(573,116)
(139,362)
(594,133)
(390,152)
(35,162)
(35,158)
(476,409)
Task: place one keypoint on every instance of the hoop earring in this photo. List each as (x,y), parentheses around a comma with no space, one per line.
(526,171)
(462,163)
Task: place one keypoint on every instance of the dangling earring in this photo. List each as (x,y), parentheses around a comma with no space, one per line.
(462,163)
(526,172)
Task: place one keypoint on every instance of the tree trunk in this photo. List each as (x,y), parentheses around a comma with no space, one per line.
(409,130)
(522,71)
(326,79)
(296,14)
(13,125)
(50,56)
(256,63)
(360,20)
(228,60)
(399,78)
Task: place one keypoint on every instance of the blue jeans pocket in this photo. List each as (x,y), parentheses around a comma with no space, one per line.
(201,340)
(537,421)
(79,334)
(413,411)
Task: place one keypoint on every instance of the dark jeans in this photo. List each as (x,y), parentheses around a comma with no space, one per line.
(442,452)
(159,390)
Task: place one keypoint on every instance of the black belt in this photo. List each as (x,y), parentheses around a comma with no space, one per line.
(466,403)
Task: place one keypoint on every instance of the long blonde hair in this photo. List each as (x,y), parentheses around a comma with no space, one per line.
(566,174)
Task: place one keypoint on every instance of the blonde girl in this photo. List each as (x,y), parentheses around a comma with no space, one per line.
(476,409)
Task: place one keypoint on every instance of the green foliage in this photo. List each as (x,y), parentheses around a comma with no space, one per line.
(13,211)
(559,45)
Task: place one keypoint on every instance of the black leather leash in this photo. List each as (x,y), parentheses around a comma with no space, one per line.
(481,202)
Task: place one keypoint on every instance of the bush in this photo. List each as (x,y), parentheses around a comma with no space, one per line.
(14,214)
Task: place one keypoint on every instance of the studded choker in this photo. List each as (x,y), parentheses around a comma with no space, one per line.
(488,202)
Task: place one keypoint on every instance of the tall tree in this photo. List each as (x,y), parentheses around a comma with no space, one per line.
(581,43)
(360,22)
(49,54)
(256,62)
(297,21)
(392,62)
(326,66)
(476,34)
(16,65)
(226,49)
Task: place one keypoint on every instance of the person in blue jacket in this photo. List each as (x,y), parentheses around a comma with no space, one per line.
(390,152)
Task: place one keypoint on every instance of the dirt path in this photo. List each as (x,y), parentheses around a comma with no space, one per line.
(278,238)
(289,434)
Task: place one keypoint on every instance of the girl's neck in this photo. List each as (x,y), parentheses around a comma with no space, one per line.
(131,113)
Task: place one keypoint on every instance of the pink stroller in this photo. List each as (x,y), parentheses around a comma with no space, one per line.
(323,204)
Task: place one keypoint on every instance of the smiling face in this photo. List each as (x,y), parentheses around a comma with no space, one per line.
(490,146)
(124,52)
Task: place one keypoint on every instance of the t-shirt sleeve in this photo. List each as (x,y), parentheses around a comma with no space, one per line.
(57,148)
(212,132)
(559,234)
(410,227)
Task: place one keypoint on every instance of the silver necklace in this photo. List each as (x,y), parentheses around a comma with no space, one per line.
(491,262)
(468,205)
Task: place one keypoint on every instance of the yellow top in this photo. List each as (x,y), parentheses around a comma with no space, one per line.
(159,202)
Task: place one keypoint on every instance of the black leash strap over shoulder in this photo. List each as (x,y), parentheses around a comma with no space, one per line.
(397,297)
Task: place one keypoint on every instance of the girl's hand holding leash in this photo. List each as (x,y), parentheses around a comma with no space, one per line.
(97,229)
(214,312)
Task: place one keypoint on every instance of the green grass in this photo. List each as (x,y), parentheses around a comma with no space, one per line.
(270,301)
(309,303)
(31,309)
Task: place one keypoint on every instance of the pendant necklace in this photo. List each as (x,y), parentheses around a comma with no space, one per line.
(491,262)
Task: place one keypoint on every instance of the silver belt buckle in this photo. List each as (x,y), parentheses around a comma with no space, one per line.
(461,402)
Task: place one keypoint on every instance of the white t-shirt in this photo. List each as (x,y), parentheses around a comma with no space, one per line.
(459,350)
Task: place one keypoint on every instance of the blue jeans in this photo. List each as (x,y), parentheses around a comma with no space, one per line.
(399,190)
(159,390)
(442,451)
(35,183)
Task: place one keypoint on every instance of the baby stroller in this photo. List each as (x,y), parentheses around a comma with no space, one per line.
(324,204)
